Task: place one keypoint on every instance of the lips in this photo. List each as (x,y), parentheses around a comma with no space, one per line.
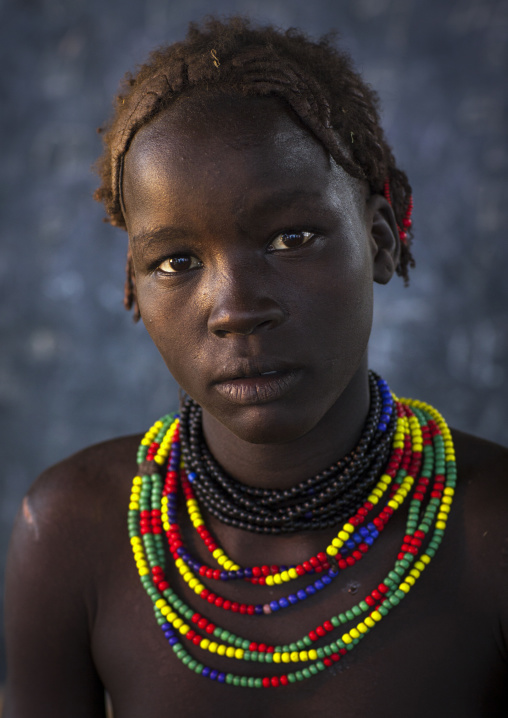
(256,381)
(248,367)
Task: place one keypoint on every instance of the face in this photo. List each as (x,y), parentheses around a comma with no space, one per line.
(254,259)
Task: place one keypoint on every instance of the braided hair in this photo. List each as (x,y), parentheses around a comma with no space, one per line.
(233,57)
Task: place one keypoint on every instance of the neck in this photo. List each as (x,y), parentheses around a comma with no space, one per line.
(284,464)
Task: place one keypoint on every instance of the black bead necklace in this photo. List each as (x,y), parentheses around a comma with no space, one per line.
(318,502)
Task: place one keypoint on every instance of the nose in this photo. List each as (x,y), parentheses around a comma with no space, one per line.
(243,304)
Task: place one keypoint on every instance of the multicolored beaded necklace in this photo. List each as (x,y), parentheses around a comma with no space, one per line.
(420,468)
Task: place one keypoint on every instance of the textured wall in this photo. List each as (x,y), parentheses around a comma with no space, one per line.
(75,370)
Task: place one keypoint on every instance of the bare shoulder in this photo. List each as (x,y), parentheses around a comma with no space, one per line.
(92,473)
(67,535)
(483,474)
(74,508)
(481,515)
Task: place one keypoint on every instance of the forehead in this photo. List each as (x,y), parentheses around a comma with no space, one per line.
(207,149)
(239,122)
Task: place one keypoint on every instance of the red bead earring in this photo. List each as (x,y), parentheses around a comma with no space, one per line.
(406,222)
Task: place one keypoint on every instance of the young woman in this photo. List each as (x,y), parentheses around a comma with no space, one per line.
(296,541)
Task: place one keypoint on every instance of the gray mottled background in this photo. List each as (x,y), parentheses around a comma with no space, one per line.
(75,370)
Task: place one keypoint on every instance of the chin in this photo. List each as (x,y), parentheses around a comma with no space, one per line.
(268,424)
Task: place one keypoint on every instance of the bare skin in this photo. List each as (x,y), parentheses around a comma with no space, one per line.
(78,618)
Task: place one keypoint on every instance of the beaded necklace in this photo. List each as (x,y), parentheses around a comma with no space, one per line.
(419,471)
(326,499)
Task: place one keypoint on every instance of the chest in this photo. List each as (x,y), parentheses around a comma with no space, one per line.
(432,654)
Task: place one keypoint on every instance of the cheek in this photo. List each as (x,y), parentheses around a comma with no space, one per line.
(343,332)
(176,321)
(345,290)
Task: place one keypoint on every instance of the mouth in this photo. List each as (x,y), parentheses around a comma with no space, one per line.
(257,382)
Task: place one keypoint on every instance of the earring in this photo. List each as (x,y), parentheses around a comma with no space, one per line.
(406,222)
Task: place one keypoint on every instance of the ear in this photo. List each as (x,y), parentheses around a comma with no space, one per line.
(385,238)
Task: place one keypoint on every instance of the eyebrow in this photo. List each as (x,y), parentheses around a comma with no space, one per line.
(286,198)
(275,201)
(162,234)
(266,204)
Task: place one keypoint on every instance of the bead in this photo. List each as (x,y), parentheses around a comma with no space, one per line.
(421,450)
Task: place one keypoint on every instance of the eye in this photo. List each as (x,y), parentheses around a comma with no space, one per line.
(179,263)
(291,240)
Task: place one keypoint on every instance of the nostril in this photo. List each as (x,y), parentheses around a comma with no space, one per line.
(265,325)
(245,322)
